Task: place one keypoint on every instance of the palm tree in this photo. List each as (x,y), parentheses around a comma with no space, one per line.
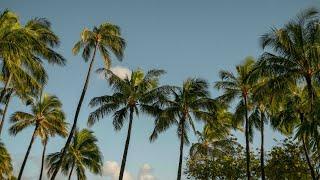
(83,153)
(184,103)
(259,117)
(264,99)
(105,38)
(22,51)
(6,169)
(295,51)
(24,61)
(294,57)
(240,88)
(47,118)
(213,133)
(293,113)
(130,96)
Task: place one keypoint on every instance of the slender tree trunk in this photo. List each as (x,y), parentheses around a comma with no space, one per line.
(6,85)
(247,139)
(27,153)
(42,159)
(306,153)
(263,176)
(70,174)
(313,175)
(4,113)
(75,120)
(181,150)
(124,157)
(310,91)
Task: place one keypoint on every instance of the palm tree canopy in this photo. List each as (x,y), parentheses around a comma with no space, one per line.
(184,103)
(24,46)
(214,132)
(239,86)
(46,113)
(139,91)
(6,168)
(293,51)
(83,153)
(106,38)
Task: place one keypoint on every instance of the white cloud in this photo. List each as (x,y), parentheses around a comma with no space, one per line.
(145,173)
(121,72)
(112,169)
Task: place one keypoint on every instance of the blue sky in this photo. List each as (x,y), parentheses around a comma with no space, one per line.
(187,38)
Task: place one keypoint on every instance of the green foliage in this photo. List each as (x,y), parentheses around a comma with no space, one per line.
(46,113)
(105,38)
(83,153)
(137,93)
(225,160)
(287,161)
(6,168)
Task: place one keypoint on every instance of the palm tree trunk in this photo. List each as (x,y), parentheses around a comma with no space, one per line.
(247,139)
(42,159)
(181,150)
(27,153)
(6,85)
(310,91)
(4,113)
(263,176)
(306,153)
(308,159)
(75,120)
(70,174)
(124,157)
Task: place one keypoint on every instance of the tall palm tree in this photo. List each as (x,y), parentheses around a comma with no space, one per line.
(295,53)
(293,57)
(21,53)
(130,96)
(190,101)
(104,39)
(47,118)
(259,117)
(239,87)
(294,113)
(83,153)
(263,100)
(6,169)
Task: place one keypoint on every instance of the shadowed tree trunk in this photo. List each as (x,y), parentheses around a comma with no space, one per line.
(310,91)
(27,153)
(306,153)
(263,176)
(124,157)
(70,174)
(4,113)
(42,159)
(181,150)
(6,85)
(313,175)
(75,120)
(247,138)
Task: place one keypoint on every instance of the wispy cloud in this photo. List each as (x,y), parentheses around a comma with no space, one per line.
(146,173)
(112,169)
(120,71)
